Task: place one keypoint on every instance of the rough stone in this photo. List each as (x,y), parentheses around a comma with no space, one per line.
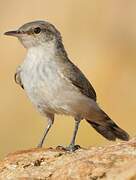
(111,162)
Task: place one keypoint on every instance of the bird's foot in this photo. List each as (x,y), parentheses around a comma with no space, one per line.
(40,145)
(72,148)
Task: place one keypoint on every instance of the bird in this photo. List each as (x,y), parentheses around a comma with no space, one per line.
(55,85)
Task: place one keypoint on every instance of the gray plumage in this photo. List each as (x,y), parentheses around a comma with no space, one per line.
(79,80)
(55,85)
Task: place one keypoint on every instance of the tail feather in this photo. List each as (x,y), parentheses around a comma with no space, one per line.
(109,129)
(120,133)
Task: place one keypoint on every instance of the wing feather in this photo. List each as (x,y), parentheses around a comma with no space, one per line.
(17,77)
(79,80)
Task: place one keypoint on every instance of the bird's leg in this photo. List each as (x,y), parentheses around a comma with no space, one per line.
(72,146)
(50,123)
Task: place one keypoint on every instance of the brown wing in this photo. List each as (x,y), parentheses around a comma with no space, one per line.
(80,81)
(18,78)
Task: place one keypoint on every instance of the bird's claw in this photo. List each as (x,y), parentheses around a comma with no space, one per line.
(72,148)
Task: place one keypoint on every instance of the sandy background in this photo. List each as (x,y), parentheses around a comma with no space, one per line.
(100,37)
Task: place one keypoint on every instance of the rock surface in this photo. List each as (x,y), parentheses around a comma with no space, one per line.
(112,162)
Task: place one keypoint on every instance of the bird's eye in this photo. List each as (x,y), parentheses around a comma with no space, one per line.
(37,30)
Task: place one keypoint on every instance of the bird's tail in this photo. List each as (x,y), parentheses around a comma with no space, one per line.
(107,128)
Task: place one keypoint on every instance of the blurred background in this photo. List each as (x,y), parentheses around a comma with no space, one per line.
(100,38)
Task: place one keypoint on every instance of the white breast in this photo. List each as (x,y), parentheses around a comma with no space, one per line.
(46,86)
(34,74)
(43,82)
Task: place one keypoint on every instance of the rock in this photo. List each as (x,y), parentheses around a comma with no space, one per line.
(112,162)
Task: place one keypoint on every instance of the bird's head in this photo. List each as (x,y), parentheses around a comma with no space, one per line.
(36,33)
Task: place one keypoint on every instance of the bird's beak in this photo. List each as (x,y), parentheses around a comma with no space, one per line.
(13,33)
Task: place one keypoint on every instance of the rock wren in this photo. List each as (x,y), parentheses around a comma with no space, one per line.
(55,85)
